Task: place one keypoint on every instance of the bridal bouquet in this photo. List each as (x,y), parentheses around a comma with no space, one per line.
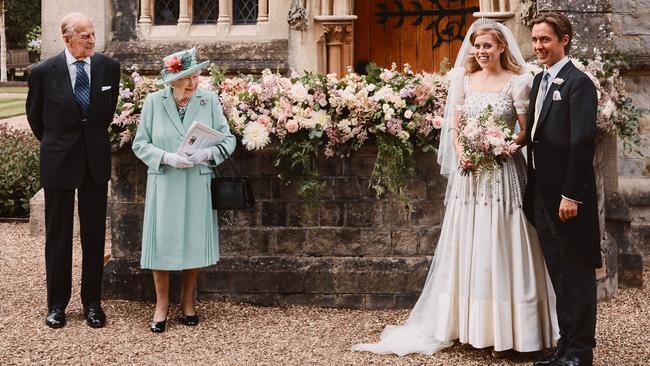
(486,142)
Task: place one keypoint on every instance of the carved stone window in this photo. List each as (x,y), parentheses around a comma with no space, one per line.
(205,11)
(245,11)
(166,12)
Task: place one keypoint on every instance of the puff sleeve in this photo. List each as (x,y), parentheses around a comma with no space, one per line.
(521,86)
(456,94)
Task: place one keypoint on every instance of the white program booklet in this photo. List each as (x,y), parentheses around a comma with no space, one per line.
(199,136)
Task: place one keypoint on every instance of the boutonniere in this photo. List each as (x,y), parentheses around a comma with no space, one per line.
(558,81)
(204,100)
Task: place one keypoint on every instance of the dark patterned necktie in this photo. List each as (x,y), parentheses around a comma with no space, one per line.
(82,89)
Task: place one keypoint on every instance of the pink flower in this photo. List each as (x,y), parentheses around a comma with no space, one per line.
(264,120)
(495,136)
(291,126)
(173,64)
(408,114)
(470,131)
(437,122)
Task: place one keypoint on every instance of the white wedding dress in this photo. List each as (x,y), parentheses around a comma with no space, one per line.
(488,284)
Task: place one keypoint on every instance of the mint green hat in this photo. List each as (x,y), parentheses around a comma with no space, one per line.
(178,65)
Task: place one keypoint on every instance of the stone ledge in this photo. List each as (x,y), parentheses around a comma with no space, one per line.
(325,281)
(237,56)
(635,191)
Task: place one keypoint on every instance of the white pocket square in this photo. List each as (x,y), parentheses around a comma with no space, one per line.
(556,95)
(107,87)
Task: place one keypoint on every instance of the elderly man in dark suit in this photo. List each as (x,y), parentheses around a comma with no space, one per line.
(71,101)
(561,193)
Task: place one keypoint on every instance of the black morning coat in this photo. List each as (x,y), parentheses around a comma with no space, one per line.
(563,148)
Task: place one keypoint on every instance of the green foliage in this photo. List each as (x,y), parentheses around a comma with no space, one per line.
(297,159)
(394,167)
(19,171)
(21,17)
(218,74)
(628,126)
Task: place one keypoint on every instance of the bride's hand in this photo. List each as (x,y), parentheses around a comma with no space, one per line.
(465,163)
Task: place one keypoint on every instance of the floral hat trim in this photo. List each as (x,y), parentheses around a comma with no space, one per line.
(178,65)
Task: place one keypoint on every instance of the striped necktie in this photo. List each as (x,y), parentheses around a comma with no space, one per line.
(82,89)
(541,95)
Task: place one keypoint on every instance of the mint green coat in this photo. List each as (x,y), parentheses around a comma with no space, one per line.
(179,230)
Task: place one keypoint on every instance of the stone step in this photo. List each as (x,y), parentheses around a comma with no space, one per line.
(345,282)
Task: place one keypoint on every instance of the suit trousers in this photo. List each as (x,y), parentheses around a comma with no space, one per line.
(574,282)
(59,214)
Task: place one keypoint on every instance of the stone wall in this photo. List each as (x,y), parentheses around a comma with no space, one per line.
(236,56)
(353,251)
(631,27)
(53,11)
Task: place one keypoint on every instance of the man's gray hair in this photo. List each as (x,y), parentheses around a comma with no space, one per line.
(69,22)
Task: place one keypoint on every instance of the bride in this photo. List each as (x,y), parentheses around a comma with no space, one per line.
(488,285)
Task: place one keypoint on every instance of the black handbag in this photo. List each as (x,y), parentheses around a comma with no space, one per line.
(230,192)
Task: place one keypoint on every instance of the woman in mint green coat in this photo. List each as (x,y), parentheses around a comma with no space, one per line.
(180,231)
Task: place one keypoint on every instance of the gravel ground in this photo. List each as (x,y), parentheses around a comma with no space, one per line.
(237,334)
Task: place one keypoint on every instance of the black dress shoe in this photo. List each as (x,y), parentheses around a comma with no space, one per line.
(548,361)
(95,317)
(158,327)
(55,318)
(567,361)
(189,320)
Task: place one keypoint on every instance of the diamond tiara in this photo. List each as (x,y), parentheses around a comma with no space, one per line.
(486,23)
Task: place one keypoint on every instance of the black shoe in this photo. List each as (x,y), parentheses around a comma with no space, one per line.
(55,318)
(567,360)
(95,317)
(158,327)
(549,360)
(189,320)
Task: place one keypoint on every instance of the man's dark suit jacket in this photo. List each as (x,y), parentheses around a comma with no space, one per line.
(563,149)
(67,142)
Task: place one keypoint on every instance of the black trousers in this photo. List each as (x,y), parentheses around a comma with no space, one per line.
(59,213)
(574,282)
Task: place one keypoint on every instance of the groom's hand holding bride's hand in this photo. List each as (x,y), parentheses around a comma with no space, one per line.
(568,209)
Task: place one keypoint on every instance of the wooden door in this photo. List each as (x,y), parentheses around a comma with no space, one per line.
(419,32)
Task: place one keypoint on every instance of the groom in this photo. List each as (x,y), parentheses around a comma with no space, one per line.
(561,192)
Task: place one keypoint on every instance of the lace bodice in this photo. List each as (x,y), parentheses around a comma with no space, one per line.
(510,101)
(502,103)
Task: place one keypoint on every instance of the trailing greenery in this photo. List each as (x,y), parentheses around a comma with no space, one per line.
(394,168)
(19,171)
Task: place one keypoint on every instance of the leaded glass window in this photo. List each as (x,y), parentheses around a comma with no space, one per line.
(166,12)
(205,11)
(244,11)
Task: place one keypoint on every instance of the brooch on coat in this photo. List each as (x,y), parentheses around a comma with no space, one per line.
(558,81)
(203,100)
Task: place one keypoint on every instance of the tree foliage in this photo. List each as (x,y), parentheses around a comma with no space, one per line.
(20,18)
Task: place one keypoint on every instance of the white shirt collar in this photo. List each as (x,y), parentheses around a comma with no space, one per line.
(71,59)
(555,69)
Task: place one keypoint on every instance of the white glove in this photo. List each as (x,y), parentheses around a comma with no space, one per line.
(176,160)
(200,156)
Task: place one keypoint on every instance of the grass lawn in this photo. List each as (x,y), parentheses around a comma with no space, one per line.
(12,107)
(13,89)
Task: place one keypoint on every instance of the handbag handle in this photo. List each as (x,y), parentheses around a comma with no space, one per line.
(231,164)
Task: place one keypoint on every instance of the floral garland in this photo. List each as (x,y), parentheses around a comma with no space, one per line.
(310,115)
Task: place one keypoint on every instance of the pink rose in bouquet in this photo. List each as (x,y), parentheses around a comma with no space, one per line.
(485,141)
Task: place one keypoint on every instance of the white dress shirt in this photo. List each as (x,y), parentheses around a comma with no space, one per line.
(552,72)
(72,68)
